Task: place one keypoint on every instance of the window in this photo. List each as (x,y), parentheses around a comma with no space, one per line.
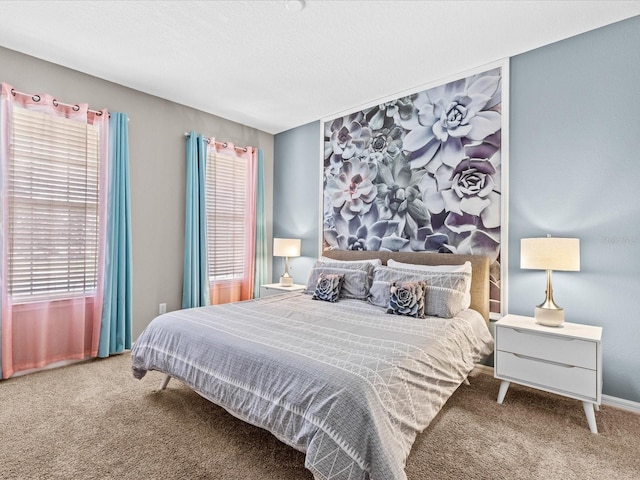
(53,191)
(227,206)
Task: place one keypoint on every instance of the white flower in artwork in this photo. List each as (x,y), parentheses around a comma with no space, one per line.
(352,191)
(448,117)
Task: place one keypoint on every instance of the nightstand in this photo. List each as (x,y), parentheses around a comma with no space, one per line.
(565,360)
(277,289)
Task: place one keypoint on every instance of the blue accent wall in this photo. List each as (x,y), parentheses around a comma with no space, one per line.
(574,170)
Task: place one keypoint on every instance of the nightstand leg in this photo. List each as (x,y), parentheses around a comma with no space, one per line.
(504,386)
(591,416)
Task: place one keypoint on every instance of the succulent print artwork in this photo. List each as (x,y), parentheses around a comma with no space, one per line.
(420,173)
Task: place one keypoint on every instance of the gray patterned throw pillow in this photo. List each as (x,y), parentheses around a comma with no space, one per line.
(328,287)
(407,298)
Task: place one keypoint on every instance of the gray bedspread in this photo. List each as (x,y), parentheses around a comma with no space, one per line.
(344,382)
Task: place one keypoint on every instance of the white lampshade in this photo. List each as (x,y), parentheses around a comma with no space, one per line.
(286,247)
(550,253)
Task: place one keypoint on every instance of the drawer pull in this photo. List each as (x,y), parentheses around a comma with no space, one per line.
(540,360)
(528,332)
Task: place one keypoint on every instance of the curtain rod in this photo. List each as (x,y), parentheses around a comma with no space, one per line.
(36,98)
(224,144)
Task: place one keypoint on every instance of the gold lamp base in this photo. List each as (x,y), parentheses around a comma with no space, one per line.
(548,313)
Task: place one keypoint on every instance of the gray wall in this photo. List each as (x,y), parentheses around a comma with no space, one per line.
(157,151)
(574,143)
(295,206)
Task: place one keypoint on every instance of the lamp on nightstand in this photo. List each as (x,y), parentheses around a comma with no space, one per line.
(286,247)
(550,253)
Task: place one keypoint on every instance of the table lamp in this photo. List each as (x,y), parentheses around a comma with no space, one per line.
(286,247)
(550,253)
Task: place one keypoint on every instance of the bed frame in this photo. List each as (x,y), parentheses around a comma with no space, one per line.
(479,275)
(479,266)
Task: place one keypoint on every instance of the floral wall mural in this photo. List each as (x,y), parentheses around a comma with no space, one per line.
(420,173)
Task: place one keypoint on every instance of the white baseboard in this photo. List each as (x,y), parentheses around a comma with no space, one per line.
(616,402)
(621,403)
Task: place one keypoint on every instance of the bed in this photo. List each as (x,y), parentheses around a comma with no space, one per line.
(349,382)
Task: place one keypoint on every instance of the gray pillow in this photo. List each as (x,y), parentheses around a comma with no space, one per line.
(356,283)
(445,292)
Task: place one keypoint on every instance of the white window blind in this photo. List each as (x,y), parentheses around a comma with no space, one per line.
(53,189)
(226,204)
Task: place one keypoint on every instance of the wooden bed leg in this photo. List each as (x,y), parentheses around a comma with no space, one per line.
(165,382)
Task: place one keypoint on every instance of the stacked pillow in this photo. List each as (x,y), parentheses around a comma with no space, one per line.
(400,288)
(447,290)
(357,276)
(464,268)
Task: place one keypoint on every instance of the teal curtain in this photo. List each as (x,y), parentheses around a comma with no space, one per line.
(115,330)
(260,275)
(195,285)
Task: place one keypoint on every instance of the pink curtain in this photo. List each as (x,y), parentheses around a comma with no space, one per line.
(44,332)
(225,291)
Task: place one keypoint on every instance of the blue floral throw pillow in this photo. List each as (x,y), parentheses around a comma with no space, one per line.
(407,298)
(328,287)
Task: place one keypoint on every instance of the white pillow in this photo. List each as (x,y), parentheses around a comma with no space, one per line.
(464,268)
(373,261)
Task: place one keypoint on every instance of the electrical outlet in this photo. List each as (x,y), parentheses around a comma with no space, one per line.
(162,308)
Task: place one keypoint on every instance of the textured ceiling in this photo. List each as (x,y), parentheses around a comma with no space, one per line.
(262,65)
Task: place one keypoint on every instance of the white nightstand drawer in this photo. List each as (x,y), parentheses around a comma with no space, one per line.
(560,349)
(573,381)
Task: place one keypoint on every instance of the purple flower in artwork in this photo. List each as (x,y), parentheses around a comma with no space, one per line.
(480,243)
(347,136)
(471,196)
(468,195)
(426,240)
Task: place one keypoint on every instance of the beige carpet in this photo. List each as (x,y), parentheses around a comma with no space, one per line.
(95,421)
